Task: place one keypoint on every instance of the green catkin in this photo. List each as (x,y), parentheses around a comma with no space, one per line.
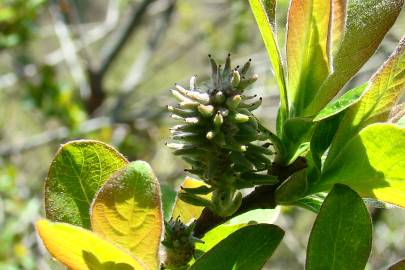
(218,135)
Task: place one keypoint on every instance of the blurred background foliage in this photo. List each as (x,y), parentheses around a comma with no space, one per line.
(102,69)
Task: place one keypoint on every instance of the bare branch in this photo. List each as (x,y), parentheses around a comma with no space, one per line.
(61,133)
(111,50)
(69,51)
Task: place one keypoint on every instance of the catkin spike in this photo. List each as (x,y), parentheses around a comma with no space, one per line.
(218,136)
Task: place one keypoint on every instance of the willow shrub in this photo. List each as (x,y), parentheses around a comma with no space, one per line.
(329,154)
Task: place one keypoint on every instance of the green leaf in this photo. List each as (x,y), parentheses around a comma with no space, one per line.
(256,216)
(80,249)
(246,249)
(383,91)
(264,12)
(296,132)
(216,235)
(345,101)
(307,50)
(372,164)
(322,138)
(293,188)
(168,200)
(366,24)
(77,172)
(127,211)
(312,202)
(342,233)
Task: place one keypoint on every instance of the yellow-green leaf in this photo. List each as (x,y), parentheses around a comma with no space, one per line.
(382,93)
(307,50)
(264,12)
(216,235)
(186,211)
(77,172)
(127,210)
(80,249)
(372,164)
(367,22)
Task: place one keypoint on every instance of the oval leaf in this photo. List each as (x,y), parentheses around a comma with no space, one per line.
(77,172)
(127,210)
(246,249)
(80,249)
(342,233)
(372,163)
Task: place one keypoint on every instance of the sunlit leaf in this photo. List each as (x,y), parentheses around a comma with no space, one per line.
(345,101)
(186,211)
(80,249)
(342,233)
(338,23)
(256,216)
(77,172)
(246,249)
(366,24)
(307,50)
(372,163)
(263,11)
(216,235)
(127,210)
(380,96)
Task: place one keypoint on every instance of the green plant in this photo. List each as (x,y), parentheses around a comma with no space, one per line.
(325,156)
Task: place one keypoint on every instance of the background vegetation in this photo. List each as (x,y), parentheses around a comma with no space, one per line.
(102,69)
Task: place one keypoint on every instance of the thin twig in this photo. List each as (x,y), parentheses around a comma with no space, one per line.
(50,136)
(135,75)
(69,51)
